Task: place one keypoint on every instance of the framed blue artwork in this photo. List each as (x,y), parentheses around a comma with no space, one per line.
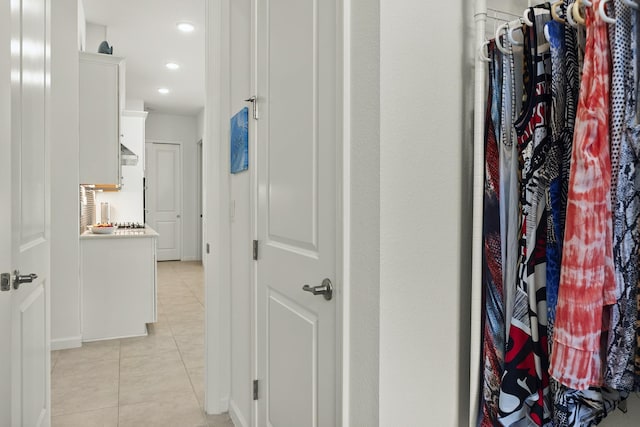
(240,141)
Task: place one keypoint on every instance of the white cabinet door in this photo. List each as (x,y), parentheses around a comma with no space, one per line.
(118,286)
(101,85)
(24,221)
(297,211)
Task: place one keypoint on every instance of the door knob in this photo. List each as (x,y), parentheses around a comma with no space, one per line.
(19,279)
(177,216)
(325,289)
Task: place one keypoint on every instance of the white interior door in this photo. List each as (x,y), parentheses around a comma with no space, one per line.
(164,197)
(297,210)
(24,375)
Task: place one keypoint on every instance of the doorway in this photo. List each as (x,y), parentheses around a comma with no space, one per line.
(163,197)
(180,285)
(285,187)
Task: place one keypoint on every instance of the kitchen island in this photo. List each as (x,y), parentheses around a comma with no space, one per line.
(118,277)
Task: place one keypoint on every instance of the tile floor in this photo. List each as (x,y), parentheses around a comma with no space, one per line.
(158,381)
(153,381)
(629,419)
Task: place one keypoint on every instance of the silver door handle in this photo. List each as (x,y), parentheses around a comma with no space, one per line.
(325,289)
(19,279)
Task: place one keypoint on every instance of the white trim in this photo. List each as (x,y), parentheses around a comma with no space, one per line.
(134,113)
(66,343)
(119,337)
(199,205)
(182,189)
(236,415)
(344,310)
(190,258)
(216,202)
(224,403)
(253,151)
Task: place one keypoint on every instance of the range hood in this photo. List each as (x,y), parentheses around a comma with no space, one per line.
(127,157)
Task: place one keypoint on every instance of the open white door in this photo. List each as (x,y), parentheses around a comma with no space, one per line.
(297,212)
(25,363)
(164,197)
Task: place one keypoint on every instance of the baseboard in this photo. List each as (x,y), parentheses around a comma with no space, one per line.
(221,409)
(190,258)
(65,343)
(236,415)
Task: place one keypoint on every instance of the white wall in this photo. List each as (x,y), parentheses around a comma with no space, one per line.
(96,34)
(240,72)
(200,125)
(424,201)
(363,284)
(82,27)
(127,205)
(176,128)
(65,249)
(514,7)
(216,210)
(133,104)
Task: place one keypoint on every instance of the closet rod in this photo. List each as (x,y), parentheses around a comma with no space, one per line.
(493,14)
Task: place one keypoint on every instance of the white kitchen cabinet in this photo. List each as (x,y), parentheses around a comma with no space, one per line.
(118,276)
(102,101)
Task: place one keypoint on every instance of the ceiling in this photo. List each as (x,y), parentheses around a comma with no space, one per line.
(144,32)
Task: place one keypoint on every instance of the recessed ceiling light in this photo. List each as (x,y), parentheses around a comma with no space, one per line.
(163,90)
(172,65)
(185,27)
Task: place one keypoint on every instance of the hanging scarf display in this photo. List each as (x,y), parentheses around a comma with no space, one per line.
(561,227)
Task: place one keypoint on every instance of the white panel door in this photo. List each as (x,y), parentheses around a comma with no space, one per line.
(25,330)
(164,198)
(297,210)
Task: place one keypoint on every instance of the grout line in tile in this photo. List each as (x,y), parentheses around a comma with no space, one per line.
(65,414)
(193,388)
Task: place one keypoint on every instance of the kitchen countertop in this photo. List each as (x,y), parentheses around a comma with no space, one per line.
(122,233)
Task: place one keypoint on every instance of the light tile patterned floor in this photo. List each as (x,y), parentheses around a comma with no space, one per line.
(629,419)
(154,381)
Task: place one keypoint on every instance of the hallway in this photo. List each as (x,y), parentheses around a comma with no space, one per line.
(156,380)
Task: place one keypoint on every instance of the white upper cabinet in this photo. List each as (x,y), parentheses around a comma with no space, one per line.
(102,101)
